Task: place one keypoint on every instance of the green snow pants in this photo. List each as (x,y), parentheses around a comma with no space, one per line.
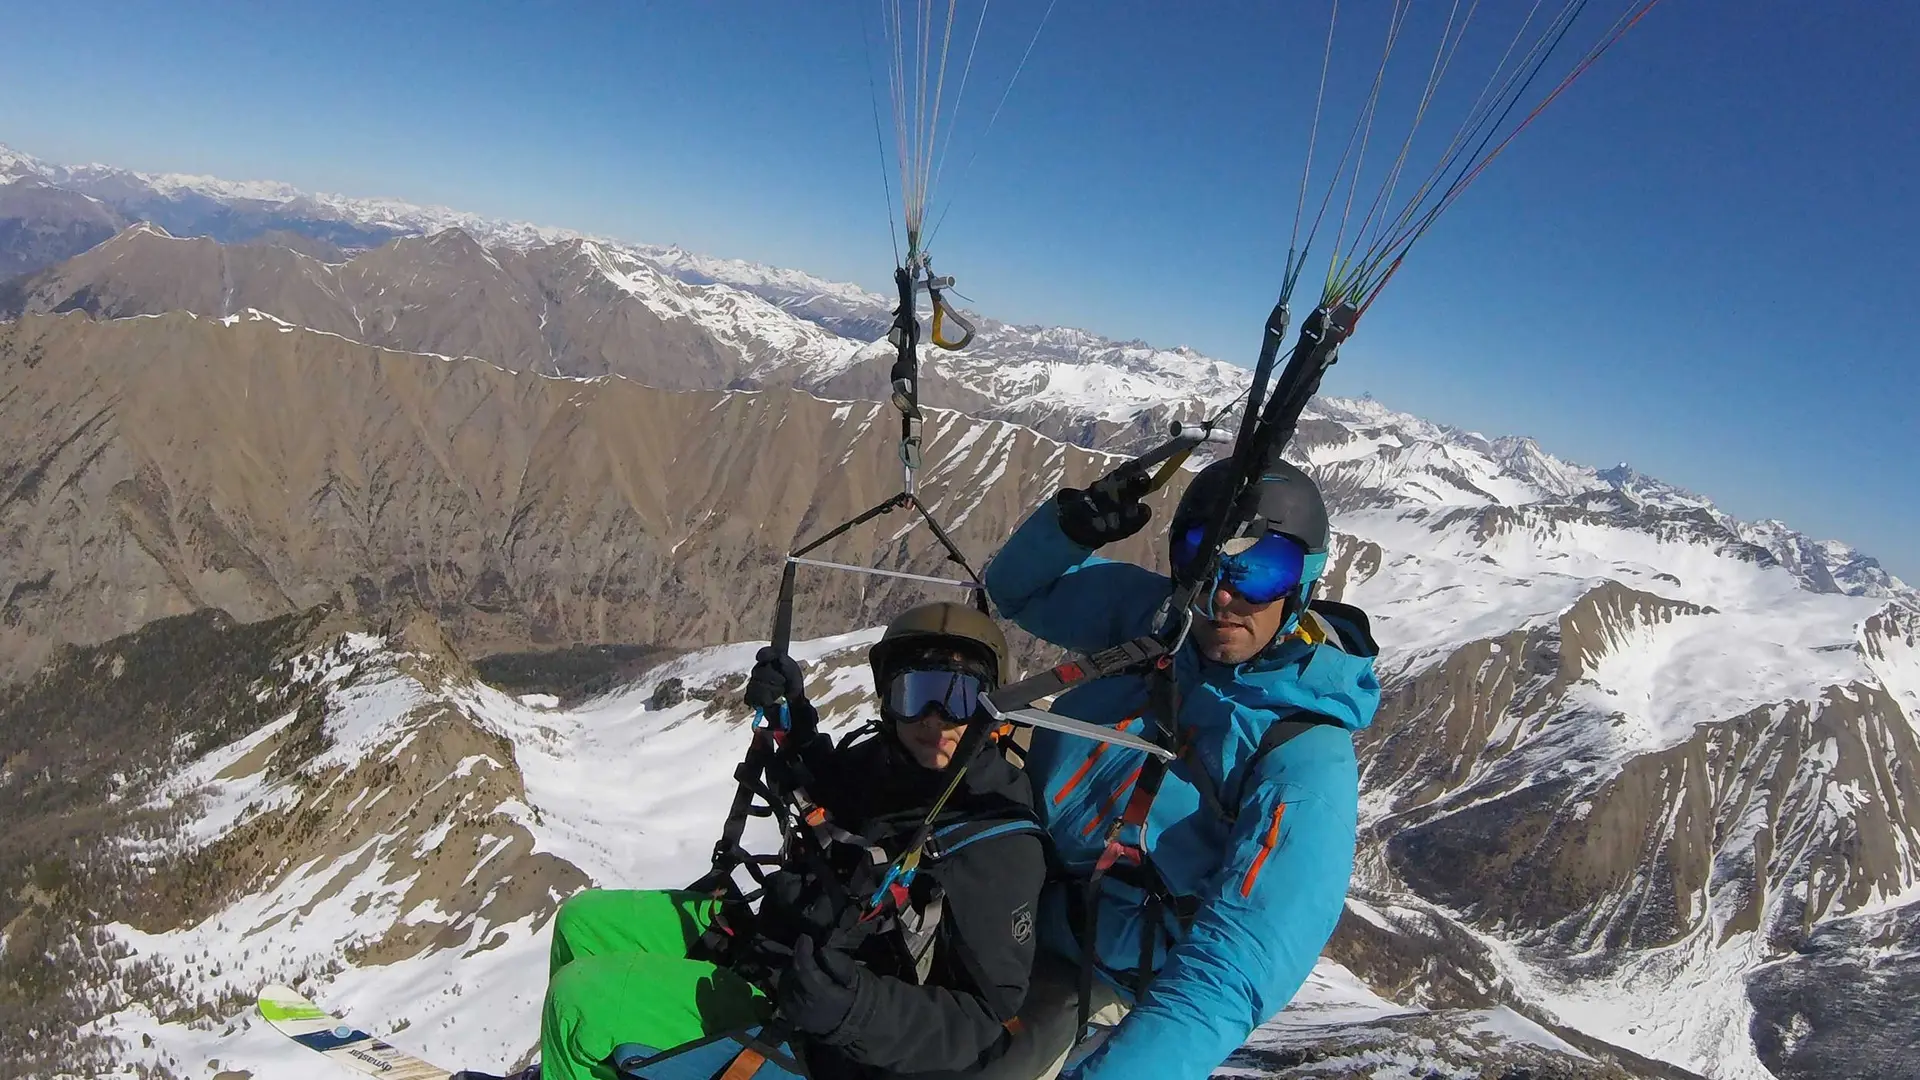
(620,974)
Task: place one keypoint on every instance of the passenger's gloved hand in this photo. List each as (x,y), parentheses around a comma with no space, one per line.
(1108,510)
(817,991)
(798,904)
(776,677)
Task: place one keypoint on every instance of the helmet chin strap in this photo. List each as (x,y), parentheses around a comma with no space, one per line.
(1204,607)
(1296,607)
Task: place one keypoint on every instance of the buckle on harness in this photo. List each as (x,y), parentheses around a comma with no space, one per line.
(1114,853)
(892,893)
(892,898)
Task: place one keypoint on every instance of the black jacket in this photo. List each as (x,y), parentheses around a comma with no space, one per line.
(952,1020)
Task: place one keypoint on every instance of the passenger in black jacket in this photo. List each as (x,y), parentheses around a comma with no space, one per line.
(934,993)
(923,984)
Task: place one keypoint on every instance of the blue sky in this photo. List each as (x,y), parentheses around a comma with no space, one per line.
(1700,260)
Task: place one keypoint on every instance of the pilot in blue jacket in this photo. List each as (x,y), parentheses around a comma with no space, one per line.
(1257,853)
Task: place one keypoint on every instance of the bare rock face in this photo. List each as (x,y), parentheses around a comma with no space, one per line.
(156,466)
(144,271)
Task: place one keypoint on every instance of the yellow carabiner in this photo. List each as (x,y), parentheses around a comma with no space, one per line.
(943,311)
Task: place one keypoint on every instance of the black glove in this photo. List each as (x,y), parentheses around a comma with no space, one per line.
(816,991)
(776,677)
(1110,509)
(798,904)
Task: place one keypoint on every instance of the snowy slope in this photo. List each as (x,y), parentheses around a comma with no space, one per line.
(837,305)
(765,336)
(624,791)
(1666,671)
(627,789)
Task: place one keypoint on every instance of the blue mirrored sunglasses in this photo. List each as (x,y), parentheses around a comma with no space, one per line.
(1272,568)
(911,693)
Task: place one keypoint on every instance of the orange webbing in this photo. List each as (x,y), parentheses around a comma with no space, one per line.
(744,1065)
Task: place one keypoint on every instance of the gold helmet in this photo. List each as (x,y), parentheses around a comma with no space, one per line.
(943,624)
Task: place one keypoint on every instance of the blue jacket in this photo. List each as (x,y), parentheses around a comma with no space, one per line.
(1269,886)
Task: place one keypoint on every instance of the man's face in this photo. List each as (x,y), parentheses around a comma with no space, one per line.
(1239,628)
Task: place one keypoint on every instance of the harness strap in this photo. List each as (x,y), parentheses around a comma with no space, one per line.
(1278,734)
(1149,939)
(744,1064)
(727,852)
(1126,838)
(961,835)
(1083,915)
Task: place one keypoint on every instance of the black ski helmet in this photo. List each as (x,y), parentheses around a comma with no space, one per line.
(1286,500)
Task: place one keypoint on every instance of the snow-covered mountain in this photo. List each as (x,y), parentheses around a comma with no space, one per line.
(393,833)
(397,837)
(188,205)
(1645,774)
(1621,770)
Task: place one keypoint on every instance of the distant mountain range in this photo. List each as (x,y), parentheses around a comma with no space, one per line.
(1644,796)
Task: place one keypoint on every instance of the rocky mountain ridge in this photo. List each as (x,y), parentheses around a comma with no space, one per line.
(581,307)
(1067,383)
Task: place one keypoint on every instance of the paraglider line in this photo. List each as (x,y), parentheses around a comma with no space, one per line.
(1313,137)
(1442,61)
(1621,27)
(1411,232)
(953,118)
(1476,118)
(1394,26)
(879,140)
(1008,92)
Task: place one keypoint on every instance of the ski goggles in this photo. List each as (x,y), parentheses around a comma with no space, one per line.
(913,692)
(1272,566)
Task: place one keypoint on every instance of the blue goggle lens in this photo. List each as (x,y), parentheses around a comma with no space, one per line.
(1272,568)
(911,693)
